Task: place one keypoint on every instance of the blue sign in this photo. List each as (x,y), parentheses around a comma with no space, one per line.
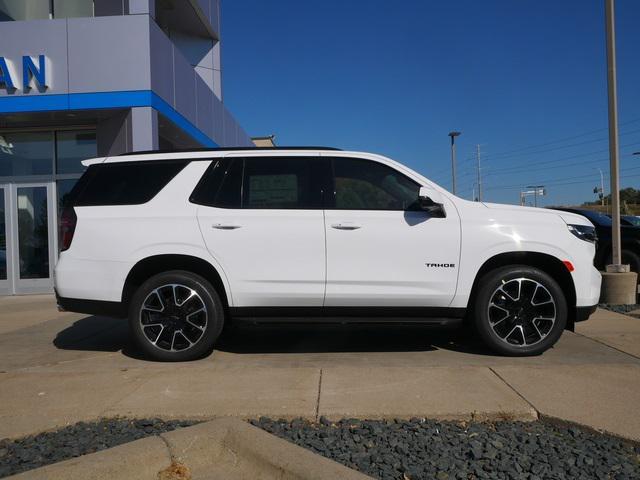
(31,74)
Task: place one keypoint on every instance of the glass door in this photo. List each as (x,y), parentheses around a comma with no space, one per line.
(32,225)
(5,286)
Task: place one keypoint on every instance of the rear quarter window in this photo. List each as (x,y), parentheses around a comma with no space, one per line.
(125,183)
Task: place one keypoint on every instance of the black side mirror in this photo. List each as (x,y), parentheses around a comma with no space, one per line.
(431,201)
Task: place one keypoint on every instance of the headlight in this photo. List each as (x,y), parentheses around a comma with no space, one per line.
(584,232)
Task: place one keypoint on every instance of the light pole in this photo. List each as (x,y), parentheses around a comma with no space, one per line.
(616,255)
(619,284)
(453,136)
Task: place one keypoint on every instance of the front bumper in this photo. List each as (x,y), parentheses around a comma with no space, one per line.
(583,313)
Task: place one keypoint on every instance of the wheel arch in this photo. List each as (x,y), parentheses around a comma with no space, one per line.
(545,262)
(155,264)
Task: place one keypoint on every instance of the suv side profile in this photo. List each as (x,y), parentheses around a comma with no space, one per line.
(183,242)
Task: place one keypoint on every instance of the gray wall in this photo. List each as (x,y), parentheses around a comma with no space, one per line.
(127,53)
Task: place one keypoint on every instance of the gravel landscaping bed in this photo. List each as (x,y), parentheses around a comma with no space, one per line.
(419,449)
(404,450)
(85,437)
(624,309)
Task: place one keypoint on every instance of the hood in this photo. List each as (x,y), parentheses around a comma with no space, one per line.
(568,217)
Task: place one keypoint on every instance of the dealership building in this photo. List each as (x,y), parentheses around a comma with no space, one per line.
(86,78)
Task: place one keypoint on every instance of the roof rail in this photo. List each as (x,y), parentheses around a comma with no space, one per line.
(222,149)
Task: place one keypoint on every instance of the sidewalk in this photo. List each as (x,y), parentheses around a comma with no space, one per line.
(61,368)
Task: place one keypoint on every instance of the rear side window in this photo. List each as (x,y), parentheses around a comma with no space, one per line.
(263,183)
(126,183)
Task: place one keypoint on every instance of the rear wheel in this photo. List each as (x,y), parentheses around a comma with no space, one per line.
(519,310)
(176,316)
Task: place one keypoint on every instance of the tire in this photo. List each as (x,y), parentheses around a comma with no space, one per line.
(176,316)
(519,324)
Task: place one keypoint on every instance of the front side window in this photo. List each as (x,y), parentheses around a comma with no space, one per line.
(366,185)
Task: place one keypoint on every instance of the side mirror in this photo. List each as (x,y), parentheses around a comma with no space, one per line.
(431,201)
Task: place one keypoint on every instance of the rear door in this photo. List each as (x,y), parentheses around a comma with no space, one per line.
(382,249)
(262,219)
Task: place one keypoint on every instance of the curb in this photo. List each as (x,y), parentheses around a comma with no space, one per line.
(222,448)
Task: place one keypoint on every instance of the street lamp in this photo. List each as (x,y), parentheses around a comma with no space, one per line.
(453,136)
(616,253)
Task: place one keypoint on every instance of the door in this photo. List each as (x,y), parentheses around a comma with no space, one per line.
(4,241)
(382,249)
(29,242)
(262,219)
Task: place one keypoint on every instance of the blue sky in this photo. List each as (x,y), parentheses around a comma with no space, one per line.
(525,79)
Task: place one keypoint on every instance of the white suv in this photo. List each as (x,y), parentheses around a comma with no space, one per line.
(182,242)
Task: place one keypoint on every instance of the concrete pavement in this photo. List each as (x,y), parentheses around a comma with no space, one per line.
(61,368)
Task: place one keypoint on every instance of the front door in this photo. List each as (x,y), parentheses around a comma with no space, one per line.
(27,239)
(382,249)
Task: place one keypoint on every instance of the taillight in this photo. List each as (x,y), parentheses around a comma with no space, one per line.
(68,222)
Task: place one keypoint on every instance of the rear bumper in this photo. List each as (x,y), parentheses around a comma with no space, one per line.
(91,307)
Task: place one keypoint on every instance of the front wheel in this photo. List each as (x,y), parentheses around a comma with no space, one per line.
(519,310)
(176,316)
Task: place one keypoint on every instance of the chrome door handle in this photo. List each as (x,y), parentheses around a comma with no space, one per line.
(345,226)
(225,226)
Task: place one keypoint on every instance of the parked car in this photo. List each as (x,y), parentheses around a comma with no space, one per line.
(182,243)
(630,220)
(630,236)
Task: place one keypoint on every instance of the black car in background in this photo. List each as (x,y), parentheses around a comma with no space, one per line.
(630,239)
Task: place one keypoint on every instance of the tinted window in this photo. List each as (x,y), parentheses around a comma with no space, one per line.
(127,183)
(208,186)
(262,183)
(28,153)
(279,183)
(366,185)
(72,147)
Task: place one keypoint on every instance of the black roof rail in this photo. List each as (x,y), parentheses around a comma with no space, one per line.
(227,149)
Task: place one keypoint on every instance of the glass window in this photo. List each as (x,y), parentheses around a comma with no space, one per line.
(229,194)
(126,183)
(3,238)
(23,10)
(72,147)
(33,232)
(63,191)
(277,183)
(366,185)
(72,8)
(207,189)
(264,182)
(29,153)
